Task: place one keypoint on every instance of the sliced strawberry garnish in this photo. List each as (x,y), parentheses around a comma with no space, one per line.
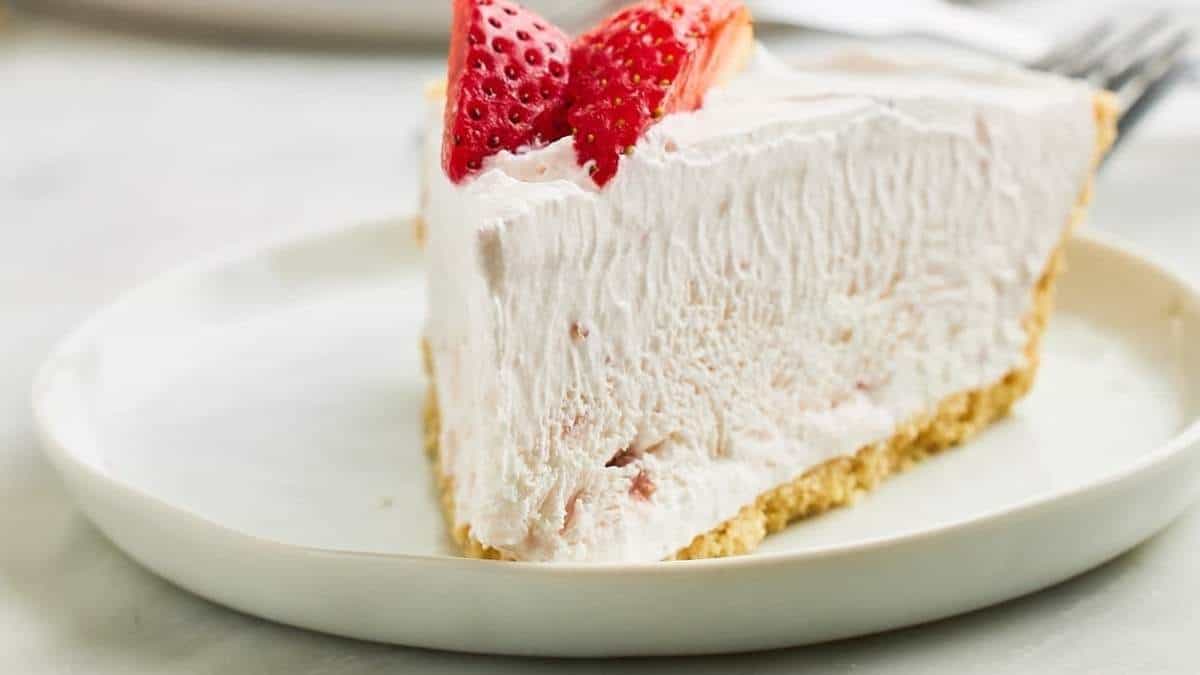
(647,61)
(508,72)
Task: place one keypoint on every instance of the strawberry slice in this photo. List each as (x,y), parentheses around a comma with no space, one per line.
(508,72)
(646,61)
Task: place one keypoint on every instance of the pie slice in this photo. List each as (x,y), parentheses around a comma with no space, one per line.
(791,283)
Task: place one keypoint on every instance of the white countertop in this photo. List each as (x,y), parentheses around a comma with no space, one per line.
(123,156)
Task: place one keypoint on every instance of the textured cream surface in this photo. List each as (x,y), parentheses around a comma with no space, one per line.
(779,279)
(836,482)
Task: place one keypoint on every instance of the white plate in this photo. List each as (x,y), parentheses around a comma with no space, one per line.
(354,19)
(249,429)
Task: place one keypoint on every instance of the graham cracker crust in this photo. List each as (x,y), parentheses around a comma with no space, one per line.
(841,481)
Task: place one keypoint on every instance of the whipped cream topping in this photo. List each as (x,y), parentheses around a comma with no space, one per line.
(782,277)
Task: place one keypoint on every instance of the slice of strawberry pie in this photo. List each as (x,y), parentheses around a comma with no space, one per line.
(681,294)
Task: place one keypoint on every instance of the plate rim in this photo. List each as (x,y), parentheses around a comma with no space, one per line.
(63,457)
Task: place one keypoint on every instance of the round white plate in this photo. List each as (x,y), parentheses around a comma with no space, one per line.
(249,429)
(353,19)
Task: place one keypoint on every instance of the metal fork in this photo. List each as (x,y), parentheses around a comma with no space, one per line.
(1136,61)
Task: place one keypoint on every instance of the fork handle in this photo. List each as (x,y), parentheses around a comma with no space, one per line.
(980,30)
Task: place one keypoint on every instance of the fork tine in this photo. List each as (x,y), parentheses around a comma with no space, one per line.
(1152,66)
(1063,56)
(1141,85)
(1119,53)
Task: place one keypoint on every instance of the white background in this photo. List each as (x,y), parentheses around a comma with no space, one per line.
(124,155)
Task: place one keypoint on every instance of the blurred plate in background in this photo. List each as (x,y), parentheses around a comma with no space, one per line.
(368,20)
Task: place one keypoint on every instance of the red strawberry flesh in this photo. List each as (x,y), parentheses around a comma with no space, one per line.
(649,60)
(507,77)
